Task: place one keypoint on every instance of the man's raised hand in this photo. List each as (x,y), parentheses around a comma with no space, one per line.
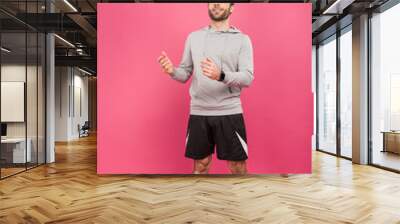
(165,63)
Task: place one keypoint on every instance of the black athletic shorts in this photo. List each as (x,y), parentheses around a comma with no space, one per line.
(227,132)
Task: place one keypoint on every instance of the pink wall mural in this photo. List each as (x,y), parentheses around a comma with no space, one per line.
(143,113)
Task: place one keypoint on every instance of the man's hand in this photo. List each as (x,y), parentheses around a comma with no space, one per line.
(210,69)
(165,63)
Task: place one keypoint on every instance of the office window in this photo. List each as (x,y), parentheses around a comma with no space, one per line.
(385,88)
(314,90)
(327,95)
(346,93)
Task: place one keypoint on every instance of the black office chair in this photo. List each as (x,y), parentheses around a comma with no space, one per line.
(84,130)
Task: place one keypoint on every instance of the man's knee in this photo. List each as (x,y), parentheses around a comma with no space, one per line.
(236,163)
(205,162)
(237,167)
(202,165)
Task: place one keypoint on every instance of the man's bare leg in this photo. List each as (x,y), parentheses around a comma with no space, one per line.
(237,167)
(201,166)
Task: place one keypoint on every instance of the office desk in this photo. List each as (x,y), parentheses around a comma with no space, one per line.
(391,141)
(13,150)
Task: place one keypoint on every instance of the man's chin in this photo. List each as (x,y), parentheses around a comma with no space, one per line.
(218,19)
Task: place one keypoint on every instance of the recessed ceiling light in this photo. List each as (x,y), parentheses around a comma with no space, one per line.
(5,50)
(70,5)
(64,40)
(84,71)
(338,6)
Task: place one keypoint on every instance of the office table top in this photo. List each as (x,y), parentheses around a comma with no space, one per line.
(391,132)
(13,140)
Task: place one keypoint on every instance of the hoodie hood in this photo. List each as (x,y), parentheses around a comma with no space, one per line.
(231,29)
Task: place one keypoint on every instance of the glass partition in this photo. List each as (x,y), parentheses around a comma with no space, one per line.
(41,107)
(32,95)
(14,153)
(22,101)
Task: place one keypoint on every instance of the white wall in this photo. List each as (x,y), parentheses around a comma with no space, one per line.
(70,83)
(16,72)
(34,126)
(61,103)
(79,117)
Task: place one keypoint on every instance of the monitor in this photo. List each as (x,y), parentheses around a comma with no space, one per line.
(3,129)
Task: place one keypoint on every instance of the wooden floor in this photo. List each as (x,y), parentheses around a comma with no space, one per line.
(69,191)
(5,172)
(387,159)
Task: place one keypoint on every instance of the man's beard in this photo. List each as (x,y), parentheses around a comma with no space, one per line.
(225,15)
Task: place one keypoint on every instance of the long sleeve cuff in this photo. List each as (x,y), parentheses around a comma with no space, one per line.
(241,79)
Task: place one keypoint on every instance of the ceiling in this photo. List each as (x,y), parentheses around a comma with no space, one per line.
(75,23)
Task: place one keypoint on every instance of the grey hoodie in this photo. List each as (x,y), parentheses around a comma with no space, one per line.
(232,52)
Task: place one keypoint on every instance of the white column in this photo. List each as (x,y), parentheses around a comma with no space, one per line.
(360,90)
(50,92)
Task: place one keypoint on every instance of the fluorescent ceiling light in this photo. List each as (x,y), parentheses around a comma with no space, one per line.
(64,40)
(5,50)
(338,6)
(70,5)
(84,71)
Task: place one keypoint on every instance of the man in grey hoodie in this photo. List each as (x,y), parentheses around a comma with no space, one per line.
(220,58)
